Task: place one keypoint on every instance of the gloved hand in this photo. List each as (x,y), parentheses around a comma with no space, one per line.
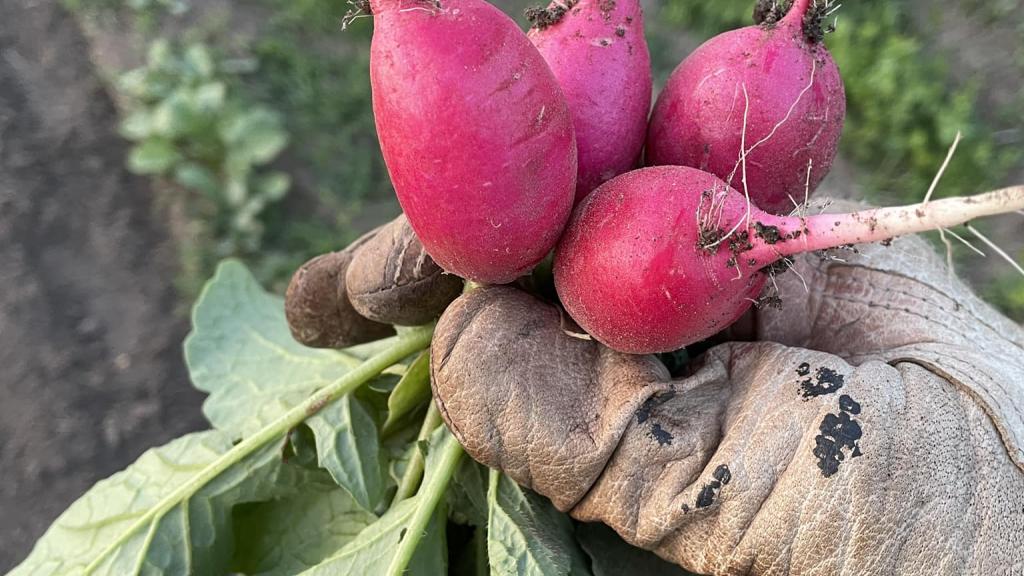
(875,425)
(872,425)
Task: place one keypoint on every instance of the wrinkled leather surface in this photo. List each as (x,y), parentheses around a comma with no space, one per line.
(393,280)
(317,306)
(876,427)
(353,296)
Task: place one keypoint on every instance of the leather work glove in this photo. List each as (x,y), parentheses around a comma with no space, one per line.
(353,296)
(874,425)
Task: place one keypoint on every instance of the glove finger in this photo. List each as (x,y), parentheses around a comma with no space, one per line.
(317,307)
(393,280)
(503,370)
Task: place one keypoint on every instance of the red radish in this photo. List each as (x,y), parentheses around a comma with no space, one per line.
(660,258)
(475,132)
(780,82)
(598,52)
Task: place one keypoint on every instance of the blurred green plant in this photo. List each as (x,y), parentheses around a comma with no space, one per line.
(317,76)
(188,126)
(1007,293)
(325,97)
(142,8)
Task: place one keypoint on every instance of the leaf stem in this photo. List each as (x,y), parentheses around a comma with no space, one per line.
(409,343)
(429,495)
(414,471)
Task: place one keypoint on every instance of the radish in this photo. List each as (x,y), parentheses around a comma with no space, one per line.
(772,90)
(476,135)
(660,258)
(598,52)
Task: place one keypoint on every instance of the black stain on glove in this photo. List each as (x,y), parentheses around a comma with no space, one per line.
(825,381)
(722,476)
(664,437)
(839,433)
(644,411)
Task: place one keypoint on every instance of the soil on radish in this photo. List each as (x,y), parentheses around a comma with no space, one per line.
(542,18)
(770,234)
(769,12)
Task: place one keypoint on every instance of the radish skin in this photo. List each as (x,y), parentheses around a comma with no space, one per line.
(661,258)
(476,135)
(598,52)
(767,90)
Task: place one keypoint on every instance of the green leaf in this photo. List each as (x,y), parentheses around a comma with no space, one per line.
(467,494)
(399,459)
(241,352)
(610,555)
(160,54)
(137,126)
(193,536)
(256,135)
(371,552)
(210,97)
(374,549)
(236,193)
(377,391)
(197,177)
(273,186)
(290,535)
(173,116)
(527,536)
(199,61)
(348,446)
(410,392)
(135,83)
(153,156)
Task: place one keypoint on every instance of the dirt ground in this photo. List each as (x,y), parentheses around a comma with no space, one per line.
(91,370)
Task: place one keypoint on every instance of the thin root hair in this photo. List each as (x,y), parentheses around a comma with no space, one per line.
(995,248)
(942,169)
(357,9)
(949,252)
(966,243)
(742,162)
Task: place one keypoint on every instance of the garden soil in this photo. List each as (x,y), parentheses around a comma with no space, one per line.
(91,369)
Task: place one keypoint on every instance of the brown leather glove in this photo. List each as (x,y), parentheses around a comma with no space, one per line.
(353,296)
(876,426)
